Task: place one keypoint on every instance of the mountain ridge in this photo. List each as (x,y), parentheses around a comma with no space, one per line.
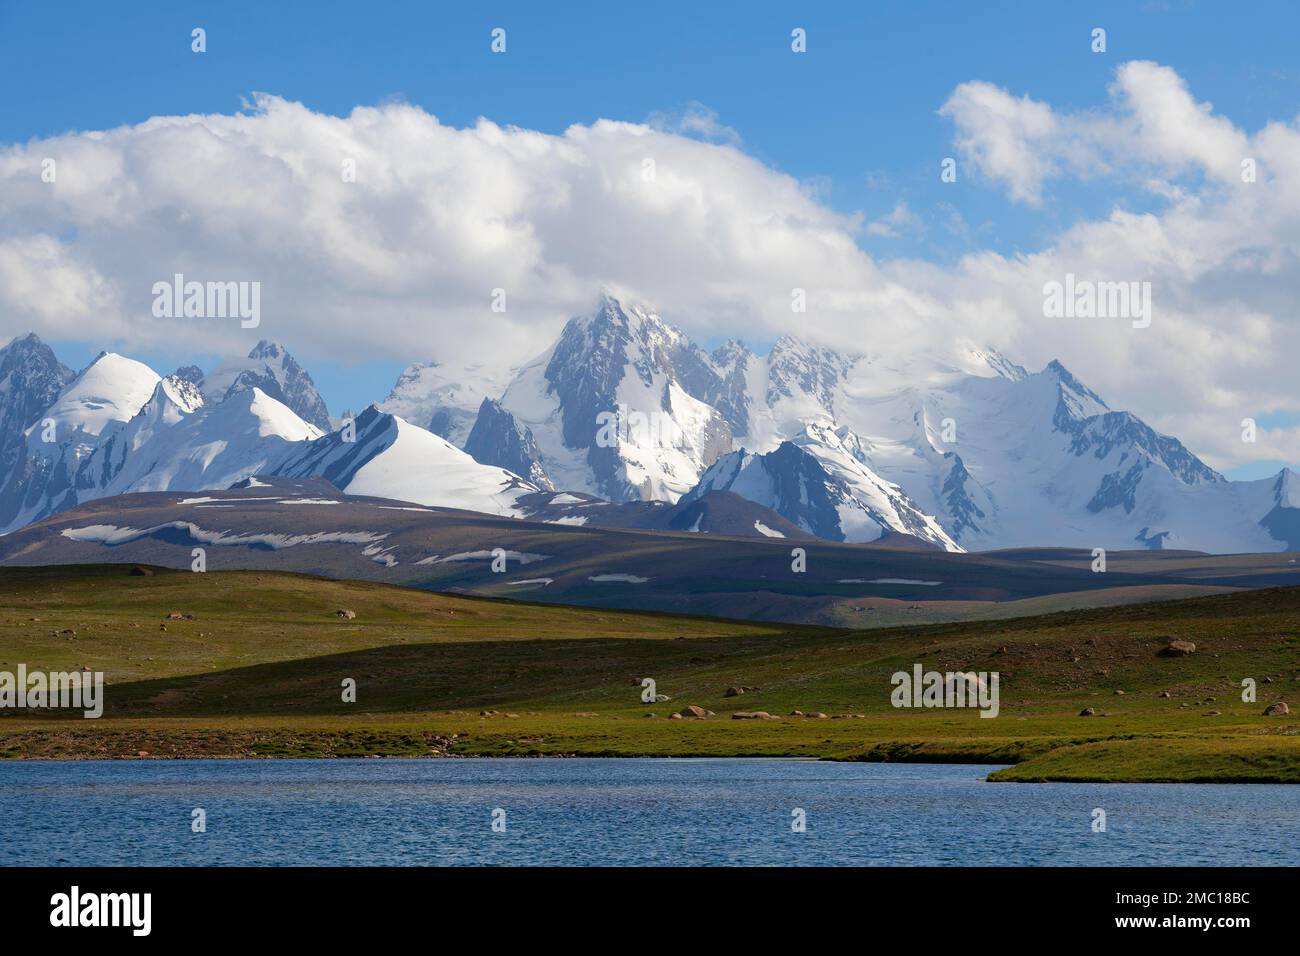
(967,452)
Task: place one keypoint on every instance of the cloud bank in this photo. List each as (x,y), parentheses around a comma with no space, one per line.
(384,234)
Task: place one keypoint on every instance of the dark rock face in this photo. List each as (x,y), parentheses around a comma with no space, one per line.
(728,392)
(31,378)
(958,494)
(802,491)
(498,439)
(189,373)
(338,461)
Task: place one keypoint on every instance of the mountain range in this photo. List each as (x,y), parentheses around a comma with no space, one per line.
(625,422)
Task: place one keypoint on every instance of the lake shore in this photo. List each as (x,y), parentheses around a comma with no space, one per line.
(1129,759)
(263,665)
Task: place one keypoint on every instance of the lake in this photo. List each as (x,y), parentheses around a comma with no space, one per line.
(619,811)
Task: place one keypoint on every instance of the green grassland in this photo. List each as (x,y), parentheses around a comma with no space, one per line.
(259,668)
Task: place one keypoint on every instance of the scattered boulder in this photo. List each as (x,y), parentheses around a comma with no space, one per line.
(816,714)
(178,616)
(140,571)
(692,710)
(1177,648)
(752,715)
(796,713)
(674,716)
(662,698)
(345,614)
(1087,712)
(733,692)
(1211,713)
(1279,709)
(1164,693)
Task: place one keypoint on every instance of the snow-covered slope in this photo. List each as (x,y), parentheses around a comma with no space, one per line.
(111,389)
(177,443)
(443,398)
(392,458)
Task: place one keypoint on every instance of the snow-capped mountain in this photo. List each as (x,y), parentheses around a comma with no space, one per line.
(816,482)
(964,451)
(391,458)
(968,450)
(271,368)
(51,472)
(177,442)
(118,427)
(614,407)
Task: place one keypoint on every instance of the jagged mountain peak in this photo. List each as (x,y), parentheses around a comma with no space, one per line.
(1286,488)
(800,368)
(730,352)
(1083,400)
(189,373)
(270,367)
(268,349)
(179,393)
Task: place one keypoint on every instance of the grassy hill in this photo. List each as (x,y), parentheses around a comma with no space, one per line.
(753,578)
(258,671)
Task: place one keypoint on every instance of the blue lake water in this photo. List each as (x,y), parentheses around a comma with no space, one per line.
(613,811)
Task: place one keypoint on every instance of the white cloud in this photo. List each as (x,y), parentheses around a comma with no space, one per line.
(899,219)
(1154,128)
(403,261)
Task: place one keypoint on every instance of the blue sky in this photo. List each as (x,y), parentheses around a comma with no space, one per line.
(855,118)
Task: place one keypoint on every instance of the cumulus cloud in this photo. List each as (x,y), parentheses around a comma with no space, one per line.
(402,262)
(1154,129)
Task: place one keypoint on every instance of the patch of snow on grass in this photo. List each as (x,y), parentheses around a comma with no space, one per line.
(112,535)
